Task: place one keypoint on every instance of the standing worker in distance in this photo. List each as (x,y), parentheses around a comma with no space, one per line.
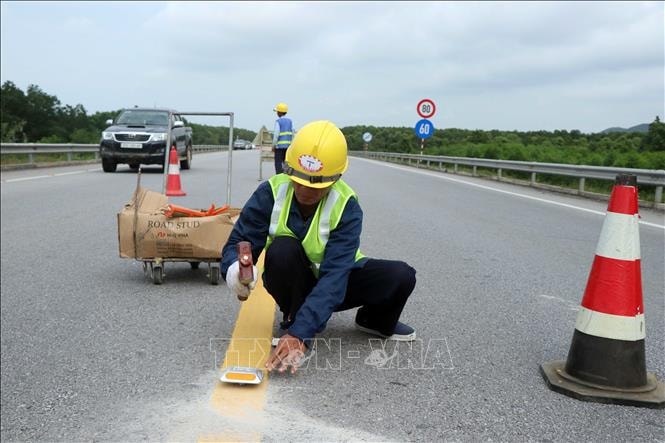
(282,136)
(309,221)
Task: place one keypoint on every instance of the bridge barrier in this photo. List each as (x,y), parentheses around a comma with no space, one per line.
(652,177)
(33,149)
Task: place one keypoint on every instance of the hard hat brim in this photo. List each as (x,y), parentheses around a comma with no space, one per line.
(305,180)
(300,181)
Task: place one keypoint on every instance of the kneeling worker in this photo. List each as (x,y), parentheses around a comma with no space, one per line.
(312,265)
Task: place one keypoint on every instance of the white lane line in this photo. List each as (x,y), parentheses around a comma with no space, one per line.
(569,305)
(515,194)
(68,173)
(37,177)
(26,178)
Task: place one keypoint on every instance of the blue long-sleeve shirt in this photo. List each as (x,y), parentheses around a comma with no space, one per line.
(338,260)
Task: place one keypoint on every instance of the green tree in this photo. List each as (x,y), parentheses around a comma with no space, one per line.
(42,114)
(71,119)
(655,138)
(13,113)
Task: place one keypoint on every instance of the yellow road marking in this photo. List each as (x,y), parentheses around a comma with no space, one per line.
(231,437)
(249,347)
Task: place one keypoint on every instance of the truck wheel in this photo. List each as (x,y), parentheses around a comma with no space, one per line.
(108,165)
(134,166)
(187,162)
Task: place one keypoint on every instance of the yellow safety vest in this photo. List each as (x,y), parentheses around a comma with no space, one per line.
(326,218)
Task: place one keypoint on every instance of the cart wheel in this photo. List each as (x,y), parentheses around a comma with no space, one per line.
(214,274)
(194,264)
(157,274)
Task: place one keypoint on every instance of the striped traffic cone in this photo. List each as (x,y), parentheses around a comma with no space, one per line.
(606,361)
(173,181)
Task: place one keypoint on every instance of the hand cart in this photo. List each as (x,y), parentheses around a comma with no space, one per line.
(154,268)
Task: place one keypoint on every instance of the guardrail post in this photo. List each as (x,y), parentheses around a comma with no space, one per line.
(69,155)
(455,168)
(475,171)
(582,183)
(498,174)
(96,156)
(659,194)
(31,158)
(533,179)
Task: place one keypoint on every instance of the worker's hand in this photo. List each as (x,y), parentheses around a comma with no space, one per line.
(289,352)
(273,149)
(233,281)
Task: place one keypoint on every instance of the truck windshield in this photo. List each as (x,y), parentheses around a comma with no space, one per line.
(132,117)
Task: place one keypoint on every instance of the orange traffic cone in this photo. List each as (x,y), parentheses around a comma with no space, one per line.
(606,361)
(173,182)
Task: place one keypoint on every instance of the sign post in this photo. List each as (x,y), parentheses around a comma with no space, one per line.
(367,137)
(424,128)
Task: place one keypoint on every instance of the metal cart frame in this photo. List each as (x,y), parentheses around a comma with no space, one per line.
(154,268)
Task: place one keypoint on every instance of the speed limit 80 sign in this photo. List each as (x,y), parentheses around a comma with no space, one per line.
(426,108)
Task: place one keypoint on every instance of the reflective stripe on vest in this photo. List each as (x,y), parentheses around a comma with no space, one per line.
(280,197)
(326,218)
(285,132)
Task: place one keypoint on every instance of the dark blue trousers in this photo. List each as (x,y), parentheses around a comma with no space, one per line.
(380,288)
(280,156)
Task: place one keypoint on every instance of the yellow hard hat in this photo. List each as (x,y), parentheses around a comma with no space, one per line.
(317,156)
(281,107)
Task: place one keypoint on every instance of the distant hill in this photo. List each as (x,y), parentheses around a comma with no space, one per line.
(644,127)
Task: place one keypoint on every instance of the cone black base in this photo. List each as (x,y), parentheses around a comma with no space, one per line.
(652,395)
(607,362)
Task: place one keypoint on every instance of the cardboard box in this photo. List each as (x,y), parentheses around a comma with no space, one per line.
(144,232)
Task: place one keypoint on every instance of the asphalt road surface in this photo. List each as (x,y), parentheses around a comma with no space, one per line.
(92,350)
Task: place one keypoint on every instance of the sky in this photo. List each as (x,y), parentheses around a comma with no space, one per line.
(487,65)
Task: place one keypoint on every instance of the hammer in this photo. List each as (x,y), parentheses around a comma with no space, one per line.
(246,262)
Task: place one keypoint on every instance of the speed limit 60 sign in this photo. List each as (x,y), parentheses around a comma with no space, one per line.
(426,108)
(424,129)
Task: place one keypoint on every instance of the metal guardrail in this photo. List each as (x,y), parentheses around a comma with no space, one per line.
(70,148)
(209,148)
(654,177)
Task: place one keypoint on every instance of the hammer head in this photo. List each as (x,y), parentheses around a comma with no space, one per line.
(244,249)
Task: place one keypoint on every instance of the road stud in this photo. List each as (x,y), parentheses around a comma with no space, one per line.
(241,375)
